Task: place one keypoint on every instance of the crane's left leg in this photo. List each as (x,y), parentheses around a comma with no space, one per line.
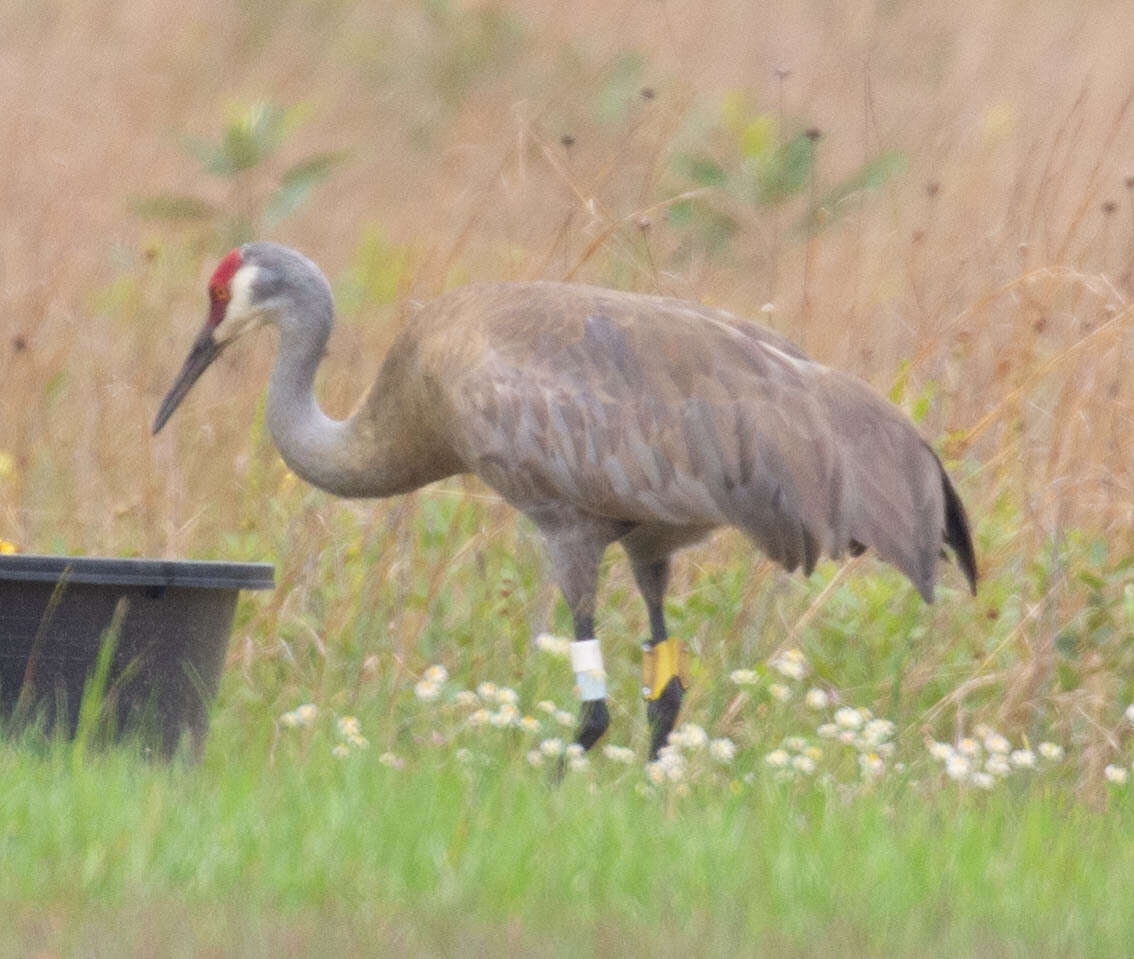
(576,543)
(663,682)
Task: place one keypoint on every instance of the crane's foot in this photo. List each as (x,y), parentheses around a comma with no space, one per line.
(594,717)
(665,677)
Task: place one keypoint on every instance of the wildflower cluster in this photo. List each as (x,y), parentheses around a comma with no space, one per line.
(350,735)
(304,715)
(689,752)
(987,757)
(814,735)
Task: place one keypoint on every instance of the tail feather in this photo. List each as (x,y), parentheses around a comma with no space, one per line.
(957,533)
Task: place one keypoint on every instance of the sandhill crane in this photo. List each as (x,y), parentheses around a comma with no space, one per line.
(603,416)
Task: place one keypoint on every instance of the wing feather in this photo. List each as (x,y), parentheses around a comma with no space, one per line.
(655,411)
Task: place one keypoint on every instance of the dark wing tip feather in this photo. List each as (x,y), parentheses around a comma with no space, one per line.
(957,533)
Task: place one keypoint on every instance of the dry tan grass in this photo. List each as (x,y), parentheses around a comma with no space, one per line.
(1008,287)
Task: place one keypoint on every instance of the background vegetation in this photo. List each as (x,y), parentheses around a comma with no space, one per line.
(939,198)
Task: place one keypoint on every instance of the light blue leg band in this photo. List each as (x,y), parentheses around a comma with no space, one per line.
(590,677)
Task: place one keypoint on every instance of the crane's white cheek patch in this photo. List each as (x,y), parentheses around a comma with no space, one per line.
(240,316)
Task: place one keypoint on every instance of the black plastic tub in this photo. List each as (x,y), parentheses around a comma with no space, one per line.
(173,624)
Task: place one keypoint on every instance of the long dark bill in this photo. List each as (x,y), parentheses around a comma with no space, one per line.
(205,349)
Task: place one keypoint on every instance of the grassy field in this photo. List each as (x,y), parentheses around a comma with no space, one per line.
(938,199)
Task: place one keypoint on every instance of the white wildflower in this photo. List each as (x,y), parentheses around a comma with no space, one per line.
(578,763)
(619,754)
(803,763)
(969,747)
(997,765)
(848,737)
(529,724)
(507,696)
(480,717)
(983,780)
(1116,774)
(847,717)
(575,751)
(546,706)
(301,716)
(779,692)
(1129,713)
(778,758)
(655,772)
(436,674)
(555,645)
(957,767)
(790,663)
(722,750)
(349,726)
(877,731)
(551,747)
(506,715)
(692,736)
(744,677)
(871,764)
(995,743)
(942,752)
(564,718)
(466,697)
(426,691)
(673,764)
(1023,758)
(1052,751)
(828,730)
(535,757)
(817,698)
(487,691)
(393,760)
(341,751)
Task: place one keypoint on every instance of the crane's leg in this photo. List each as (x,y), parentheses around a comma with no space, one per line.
(576,542)
(662,704)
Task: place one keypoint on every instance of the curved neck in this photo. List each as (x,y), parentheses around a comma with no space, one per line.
(315,446)
(368,454)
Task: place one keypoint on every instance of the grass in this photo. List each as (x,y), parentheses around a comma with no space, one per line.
(959,233)
(454,854)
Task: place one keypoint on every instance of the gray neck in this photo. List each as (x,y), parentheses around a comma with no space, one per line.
(318,448)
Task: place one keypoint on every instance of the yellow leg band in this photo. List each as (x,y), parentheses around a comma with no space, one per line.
(661,663)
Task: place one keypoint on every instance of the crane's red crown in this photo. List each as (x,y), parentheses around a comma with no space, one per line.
(223,274)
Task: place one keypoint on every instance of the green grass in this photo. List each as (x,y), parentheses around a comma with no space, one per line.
(438,834)
(292,850)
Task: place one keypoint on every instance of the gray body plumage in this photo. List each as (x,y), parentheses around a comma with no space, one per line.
(608,416)
(613,413)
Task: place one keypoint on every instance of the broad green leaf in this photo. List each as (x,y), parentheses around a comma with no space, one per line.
(872,175)
(786,171)
(248,139)
(296,185)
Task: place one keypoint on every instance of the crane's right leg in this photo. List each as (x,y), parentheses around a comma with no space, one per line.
(666,685)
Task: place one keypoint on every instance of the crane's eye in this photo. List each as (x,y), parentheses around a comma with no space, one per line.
(221,294)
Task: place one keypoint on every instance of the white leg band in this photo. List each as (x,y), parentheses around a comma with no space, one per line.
(590,677)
